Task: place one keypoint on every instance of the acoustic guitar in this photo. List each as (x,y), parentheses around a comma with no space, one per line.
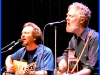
(71,61)
(19,65)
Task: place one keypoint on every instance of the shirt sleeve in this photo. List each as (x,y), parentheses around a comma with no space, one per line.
(17,54)
(47,60)
(71,44)
(93,54)
(65,54)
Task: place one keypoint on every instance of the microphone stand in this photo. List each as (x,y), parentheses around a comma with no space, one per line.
(8,45)
(55,70)
(8,49)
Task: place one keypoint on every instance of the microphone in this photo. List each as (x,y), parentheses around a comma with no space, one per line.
(58,22)
(19,41)
(8,45)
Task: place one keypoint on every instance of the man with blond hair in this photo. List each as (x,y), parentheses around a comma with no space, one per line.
(77,19)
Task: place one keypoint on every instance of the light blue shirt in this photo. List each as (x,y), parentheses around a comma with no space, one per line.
(43,55)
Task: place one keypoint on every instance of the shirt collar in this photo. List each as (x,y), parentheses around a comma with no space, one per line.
(84,34)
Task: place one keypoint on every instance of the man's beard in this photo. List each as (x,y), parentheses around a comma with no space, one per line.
(71,29)
(24,44)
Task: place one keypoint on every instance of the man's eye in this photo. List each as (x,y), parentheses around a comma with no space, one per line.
(70,16)
(26,33)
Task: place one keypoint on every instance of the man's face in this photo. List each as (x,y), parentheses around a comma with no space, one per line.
(27,36)
(72,20)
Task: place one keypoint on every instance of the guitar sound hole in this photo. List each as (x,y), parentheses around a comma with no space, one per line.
(31,68)
(71,65)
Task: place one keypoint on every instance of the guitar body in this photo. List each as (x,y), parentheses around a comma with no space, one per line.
(22,67)
(71,61)
(71,64)
(18,65)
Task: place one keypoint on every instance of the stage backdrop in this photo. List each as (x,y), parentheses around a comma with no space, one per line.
(17,12)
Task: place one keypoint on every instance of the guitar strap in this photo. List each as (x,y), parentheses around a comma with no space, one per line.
(88,36)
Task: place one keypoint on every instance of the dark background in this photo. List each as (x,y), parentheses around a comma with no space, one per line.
(17,12)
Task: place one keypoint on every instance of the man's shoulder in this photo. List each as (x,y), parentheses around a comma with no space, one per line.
(95,34)
(43,47)
(21,49)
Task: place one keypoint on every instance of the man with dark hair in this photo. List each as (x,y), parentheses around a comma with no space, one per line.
(33,51)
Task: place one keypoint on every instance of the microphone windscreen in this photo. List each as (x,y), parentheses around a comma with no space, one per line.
(20,40)
(63,21)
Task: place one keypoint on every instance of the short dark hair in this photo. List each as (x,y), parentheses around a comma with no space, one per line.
(37,33)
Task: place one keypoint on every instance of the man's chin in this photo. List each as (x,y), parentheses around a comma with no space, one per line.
(24,44)
(69,31)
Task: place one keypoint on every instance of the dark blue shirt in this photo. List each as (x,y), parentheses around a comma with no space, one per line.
(42,56)
(90,54)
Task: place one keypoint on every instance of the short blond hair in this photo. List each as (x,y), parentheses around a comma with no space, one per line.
(82,9)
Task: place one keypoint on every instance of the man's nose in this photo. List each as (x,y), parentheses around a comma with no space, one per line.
(23,35)
(67,18)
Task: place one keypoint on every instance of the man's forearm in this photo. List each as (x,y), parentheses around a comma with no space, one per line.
(8,60)
(40,72)
(83,72)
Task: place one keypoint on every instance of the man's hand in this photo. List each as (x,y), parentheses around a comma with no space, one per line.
(10,68)
(62,65)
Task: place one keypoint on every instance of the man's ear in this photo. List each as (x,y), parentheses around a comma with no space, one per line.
(34,39)
(82,20)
